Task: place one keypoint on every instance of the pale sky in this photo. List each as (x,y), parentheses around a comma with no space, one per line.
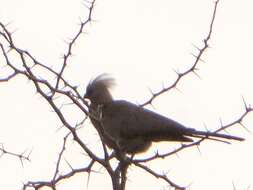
(139,42)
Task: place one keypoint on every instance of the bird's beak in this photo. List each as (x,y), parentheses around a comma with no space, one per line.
(86,99)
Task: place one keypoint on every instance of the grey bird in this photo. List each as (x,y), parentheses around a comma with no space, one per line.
(130,128)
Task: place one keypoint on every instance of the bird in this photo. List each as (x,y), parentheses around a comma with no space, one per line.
(132,129)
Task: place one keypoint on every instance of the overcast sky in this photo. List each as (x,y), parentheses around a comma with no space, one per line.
(140,42)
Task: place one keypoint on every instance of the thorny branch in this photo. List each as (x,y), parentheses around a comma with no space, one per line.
(193,68)
(72,42)
(56,176)
(49,89)
(157,175)
(22,157)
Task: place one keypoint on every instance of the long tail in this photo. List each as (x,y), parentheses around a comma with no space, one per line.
(202,134)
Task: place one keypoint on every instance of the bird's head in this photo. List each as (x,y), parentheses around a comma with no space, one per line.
(98,89)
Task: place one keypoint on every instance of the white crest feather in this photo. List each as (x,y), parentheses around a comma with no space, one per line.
(102,81)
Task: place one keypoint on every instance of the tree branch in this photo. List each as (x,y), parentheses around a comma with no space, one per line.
(192,69)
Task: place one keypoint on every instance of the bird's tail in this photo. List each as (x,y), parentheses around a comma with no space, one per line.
(209,135)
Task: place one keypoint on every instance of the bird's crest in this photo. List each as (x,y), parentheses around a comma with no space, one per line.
(104,81)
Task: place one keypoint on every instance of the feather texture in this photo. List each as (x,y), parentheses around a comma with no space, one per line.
(130,128)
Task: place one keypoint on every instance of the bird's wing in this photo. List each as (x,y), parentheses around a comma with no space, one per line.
(130,121)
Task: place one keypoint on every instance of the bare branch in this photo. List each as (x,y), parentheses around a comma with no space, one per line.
(193,68)
(22,157)
(52,184)
(71,43)
(6,79)
(164,177)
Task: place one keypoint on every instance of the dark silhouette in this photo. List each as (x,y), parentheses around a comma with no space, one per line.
(130,128)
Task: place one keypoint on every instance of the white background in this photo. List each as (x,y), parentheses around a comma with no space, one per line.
(140,42)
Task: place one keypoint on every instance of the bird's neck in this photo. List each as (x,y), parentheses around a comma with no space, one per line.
(95,104)
(104,99)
